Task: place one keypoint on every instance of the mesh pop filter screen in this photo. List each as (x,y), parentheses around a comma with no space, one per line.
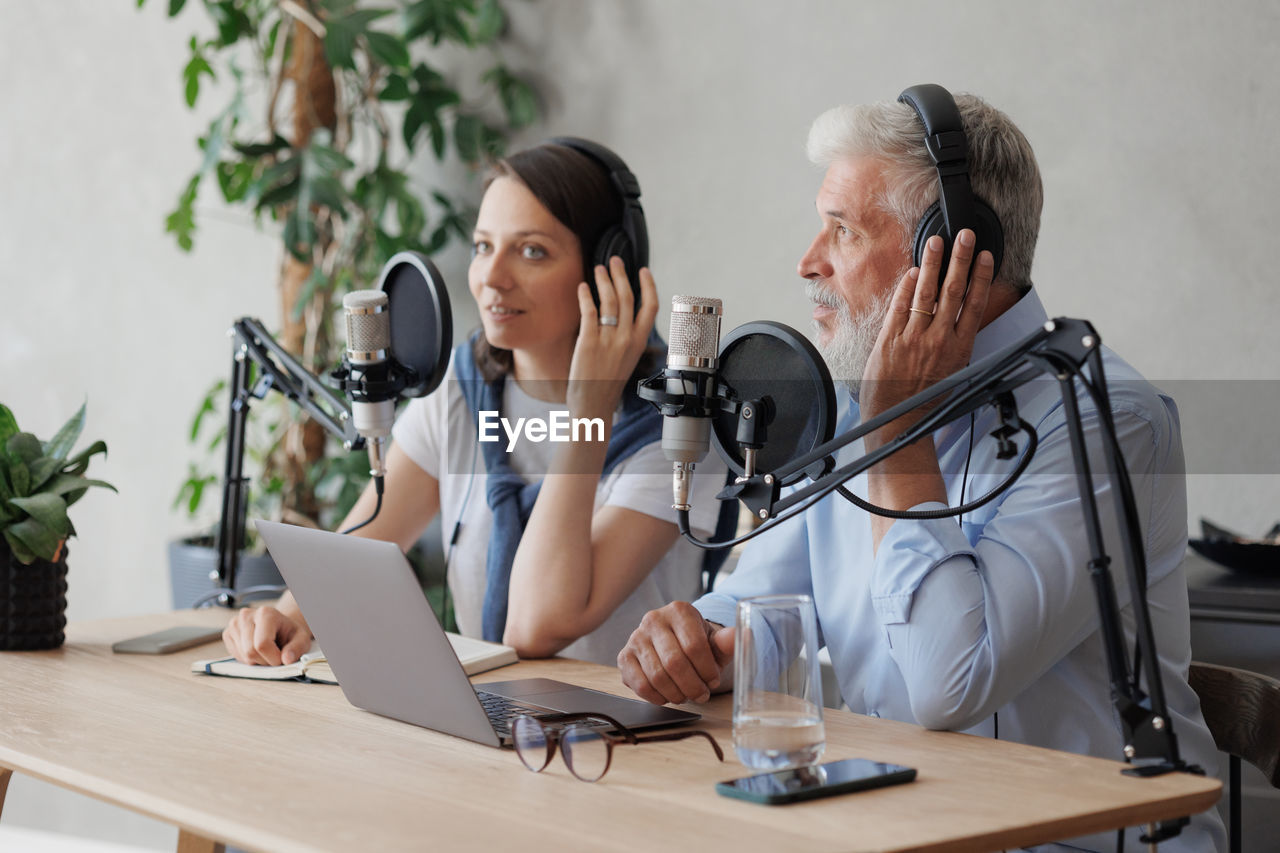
(767,359)
(421,318)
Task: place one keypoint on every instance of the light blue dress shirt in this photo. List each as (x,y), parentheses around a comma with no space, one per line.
(950,624)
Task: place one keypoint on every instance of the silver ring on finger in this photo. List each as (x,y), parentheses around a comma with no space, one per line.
(608,320)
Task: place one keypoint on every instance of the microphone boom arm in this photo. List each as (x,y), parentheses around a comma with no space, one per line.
(1062,348)
(252,344)
(974,386)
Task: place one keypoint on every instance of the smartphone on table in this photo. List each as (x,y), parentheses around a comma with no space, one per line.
(168,640)
(816,780)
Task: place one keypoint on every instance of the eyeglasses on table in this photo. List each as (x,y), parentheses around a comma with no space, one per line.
(585,744)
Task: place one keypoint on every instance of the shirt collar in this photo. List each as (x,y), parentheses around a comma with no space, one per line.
(1019,320)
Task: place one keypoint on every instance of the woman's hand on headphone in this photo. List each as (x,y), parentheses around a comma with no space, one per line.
(611,340)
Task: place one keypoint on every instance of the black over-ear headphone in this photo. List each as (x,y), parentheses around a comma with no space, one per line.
(628,239)
(957,207)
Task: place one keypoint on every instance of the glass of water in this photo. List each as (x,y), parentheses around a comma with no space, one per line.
(777,684)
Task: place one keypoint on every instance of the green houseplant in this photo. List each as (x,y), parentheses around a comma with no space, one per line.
(329,111)
(38,481)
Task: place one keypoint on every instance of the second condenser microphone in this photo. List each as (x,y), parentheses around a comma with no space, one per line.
(692,345)
(368,354)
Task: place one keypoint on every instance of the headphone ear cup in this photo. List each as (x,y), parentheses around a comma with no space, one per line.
(930,223)
(615,242)
(990,234)
(988,230)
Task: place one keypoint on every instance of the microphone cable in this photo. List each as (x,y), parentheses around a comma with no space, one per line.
(274,589)
(956,401)
(209,597)
(377,486)
(1033,441)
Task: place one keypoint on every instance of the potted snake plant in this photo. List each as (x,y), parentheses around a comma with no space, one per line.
(39,480)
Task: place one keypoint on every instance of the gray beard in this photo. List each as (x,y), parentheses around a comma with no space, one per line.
(849,348)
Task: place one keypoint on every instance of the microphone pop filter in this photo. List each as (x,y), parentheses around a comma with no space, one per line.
(421,319)
(767,359)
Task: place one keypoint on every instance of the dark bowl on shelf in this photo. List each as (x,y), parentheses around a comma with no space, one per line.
(1227,549)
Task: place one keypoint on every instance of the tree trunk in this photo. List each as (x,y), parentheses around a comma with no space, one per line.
(314,107)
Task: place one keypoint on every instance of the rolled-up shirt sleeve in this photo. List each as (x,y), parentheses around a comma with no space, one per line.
(907,554)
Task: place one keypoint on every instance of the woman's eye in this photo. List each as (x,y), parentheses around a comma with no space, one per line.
(533,253)
(480,247)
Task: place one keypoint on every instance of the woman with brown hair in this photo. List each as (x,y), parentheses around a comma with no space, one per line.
(552,546)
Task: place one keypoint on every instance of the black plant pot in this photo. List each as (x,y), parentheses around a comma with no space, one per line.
(193,572)
(33,602)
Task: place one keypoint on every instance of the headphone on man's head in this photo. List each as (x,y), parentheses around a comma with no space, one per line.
(957,207)
(629,238)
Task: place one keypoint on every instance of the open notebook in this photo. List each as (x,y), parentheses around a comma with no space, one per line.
(474,655)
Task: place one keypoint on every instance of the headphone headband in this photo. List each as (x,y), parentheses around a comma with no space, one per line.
(628,188)
(619,175)
(937,110)
(957,207)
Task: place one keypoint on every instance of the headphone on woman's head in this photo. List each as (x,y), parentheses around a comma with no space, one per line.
(628,239)
(957,207)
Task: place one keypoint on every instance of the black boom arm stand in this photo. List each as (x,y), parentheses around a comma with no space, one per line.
(1063,348)
(281,372)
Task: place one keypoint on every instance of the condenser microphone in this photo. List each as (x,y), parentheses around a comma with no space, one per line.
(691,350)
(368,355)
(764,396)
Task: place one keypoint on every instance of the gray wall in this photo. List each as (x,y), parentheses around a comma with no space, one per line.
(1154,124)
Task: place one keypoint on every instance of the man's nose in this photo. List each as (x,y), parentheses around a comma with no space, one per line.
(813,263)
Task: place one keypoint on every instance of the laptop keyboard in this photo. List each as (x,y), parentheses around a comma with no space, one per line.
(502,710)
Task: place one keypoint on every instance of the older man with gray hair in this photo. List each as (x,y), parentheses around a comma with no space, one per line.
(988,625)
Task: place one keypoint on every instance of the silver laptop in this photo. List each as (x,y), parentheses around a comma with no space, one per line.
(390,655)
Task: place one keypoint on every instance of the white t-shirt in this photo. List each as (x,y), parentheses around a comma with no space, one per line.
(438,433)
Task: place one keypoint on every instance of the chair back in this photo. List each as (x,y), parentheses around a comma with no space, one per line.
(1242,710)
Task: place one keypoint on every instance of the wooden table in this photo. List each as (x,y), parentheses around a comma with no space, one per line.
(293,767)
